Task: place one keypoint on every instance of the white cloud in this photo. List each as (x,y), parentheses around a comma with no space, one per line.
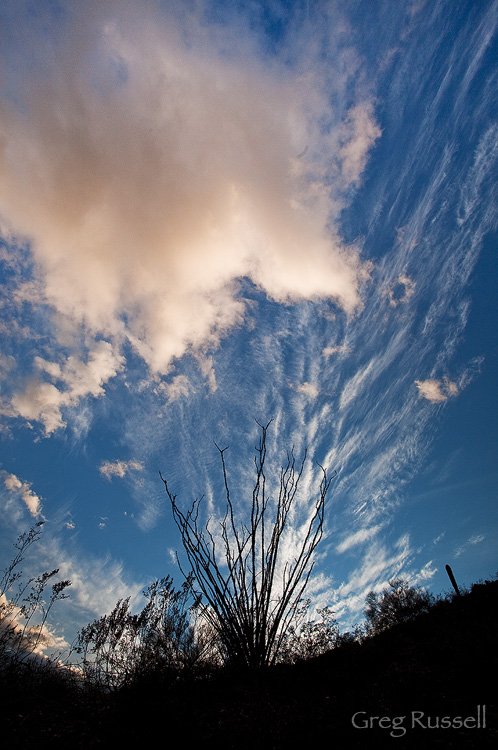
(96,582)
(338,349)
(179,386)
(33,638)
(308,389)
(359,134)
(476,539)
(424,574)
(437,391)
(14,484)
(376,568)
(358,537)
(172,556)
(118,468)
(147,193)
(207,369)
(355,384)
(471,541)
(43,401)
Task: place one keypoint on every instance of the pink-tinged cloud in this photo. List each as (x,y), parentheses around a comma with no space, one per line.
(30,498)
(44,401)
(152,169)
(437,391)
(118,468)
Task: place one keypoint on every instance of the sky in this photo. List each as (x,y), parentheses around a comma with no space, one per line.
(213,213)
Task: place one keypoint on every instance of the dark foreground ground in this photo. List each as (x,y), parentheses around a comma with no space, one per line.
(441,667)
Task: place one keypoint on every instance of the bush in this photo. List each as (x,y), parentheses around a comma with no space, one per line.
(310,638)
(399,602)
(120,648)
(25,608)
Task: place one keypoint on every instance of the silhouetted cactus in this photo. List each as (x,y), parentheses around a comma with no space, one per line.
(452,579)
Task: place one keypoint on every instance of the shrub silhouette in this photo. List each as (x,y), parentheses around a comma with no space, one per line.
(399,602)
(249,600)
(121,648)
(310,638)
(25,608)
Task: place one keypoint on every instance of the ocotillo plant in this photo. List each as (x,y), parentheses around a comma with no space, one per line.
(252,595)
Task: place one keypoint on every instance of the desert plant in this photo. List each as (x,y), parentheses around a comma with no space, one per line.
(452,579)
(399,602)
(24,607)
(119,648)
(252,595)
(309,638)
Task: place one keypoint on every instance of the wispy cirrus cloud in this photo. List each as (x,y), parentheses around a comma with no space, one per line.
(358,537)
(360,131)
(378,565)
(178,387)
(471,542)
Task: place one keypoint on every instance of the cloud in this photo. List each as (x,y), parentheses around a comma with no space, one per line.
(43,401)
(439,537)
(152,164)
(338,349)
(471,541)
(437,391)
(118,468)
(358,537)
(33,639)
(14,484)
(378,565)
(360,132)
(358,382)
(179,386)
(97,582)
(308,389)
(400,291)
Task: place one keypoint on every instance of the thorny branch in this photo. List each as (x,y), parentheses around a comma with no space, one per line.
(250,602)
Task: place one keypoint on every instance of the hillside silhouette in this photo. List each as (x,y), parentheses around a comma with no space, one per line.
(443,663)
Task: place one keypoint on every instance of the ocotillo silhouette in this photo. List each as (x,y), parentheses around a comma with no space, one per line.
(452,579)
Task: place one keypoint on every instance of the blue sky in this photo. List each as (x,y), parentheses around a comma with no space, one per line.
(212,214)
